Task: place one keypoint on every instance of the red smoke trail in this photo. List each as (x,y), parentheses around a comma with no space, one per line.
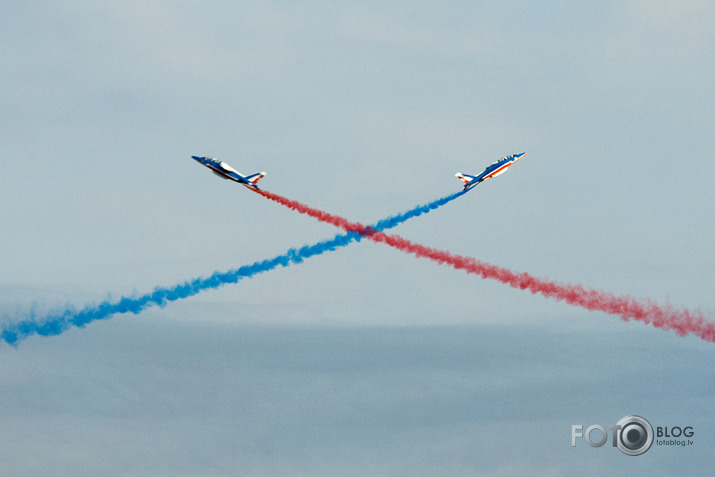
(628,308)
(323,216)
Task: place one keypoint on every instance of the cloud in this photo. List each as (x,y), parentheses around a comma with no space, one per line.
(250,400)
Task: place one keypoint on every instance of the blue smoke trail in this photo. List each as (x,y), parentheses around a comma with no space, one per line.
(58,322)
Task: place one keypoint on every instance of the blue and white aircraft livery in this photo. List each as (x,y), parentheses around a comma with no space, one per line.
(499,167)
(225,171)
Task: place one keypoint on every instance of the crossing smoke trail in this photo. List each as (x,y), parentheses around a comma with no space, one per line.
(628,308)
(356,226)
(58,322)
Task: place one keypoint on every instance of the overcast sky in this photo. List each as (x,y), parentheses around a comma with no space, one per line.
(363,360)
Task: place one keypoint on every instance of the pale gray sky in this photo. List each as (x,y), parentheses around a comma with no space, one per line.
(364,359)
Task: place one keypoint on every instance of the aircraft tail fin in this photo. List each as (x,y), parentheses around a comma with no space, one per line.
(253,178)
(466,178)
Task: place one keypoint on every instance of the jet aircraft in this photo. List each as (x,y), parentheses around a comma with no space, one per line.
(499,167)
(225,171)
